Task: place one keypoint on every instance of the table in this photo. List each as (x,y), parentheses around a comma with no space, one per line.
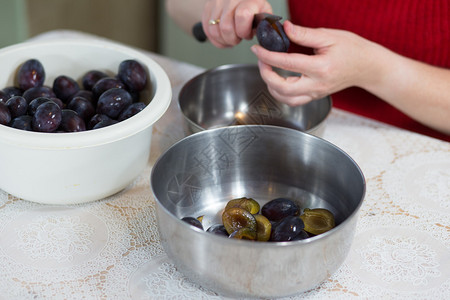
(110,249)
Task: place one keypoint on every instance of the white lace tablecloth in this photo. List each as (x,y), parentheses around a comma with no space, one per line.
(110,249)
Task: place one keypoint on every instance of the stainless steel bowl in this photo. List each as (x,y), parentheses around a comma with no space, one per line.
(236,95)
(200,173)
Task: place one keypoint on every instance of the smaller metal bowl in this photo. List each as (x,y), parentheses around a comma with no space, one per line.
(237,95)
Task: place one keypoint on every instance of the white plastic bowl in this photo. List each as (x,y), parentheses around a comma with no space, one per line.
(70,168)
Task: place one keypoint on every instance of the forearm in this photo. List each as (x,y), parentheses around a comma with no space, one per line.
(419,90)
(185,13)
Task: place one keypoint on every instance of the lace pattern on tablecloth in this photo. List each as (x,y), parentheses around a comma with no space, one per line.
(64,249)
(89,248)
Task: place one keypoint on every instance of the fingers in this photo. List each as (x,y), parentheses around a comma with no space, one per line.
(293,100)
(295,62)
(309,37)
(244,16)
(213,11)
(243,22)
(236,18)
(293,90)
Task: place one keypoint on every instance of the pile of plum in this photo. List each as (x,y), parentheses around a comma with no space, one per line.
(279,220)
(100,101)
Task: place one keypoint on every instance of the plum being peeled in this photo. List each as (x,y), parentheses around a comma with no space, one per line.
(270,33)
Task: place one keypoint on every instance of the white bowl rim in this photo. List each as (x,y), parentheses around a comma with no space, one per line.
(91,138)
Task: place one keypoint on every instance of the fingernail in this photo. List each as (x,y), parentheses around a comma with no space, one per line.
(254,49)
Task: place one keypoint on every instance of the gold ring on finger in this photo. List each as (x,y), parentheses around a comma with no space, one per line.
(214,22)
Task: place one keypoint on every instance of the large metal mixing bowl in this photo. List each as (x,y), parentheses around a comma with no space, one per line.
(236,95)
(200,173)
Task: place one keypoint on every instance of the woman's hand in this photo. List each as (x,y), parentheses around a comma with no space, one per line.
(236,18)
(340,61)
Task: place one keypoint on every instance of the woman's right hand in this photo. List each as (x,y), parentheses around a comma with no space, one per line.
(236,18)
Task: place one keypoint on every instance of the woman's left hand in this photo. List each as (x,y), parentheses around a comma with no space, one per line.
(340,61)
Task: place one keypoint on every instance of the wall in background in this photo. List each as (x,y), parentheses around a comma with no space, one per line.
(175,43)
(133,22)
(13,22)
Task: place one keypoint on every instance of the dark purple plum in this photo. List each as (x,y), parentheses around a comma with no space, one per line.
(22,122)
(133,75)
(17,106)
(33,105)
(47,117)
(31,74)
(287,229)
(4,97)
(218,229)
(91,77)
(82,107)
(113,101)
(5,115)
(105,123)
(39,91)
(12,91)
(135,95)
(65,87)
(301,236)
(131,110)
(71,121)
(105,84)
(271,35)
(58,101)
(97,118)
(279,208)
(193,222)
(88,95)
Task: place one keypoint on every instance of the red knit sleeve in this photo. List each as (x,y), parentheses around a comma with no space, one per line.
(419,29)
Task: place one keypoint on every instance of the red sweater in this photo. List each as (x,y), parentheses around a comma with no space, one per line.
(419,29)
